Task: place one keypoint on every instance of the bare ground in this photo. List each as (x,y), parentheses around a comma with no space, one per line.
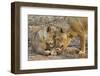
(69,53)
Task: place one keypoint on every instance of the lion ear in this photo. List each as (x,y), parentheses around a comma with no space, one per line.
(48,29)
(61,30)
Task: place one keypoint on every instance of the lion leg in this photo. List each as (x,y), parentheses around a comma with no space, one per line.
(42,51)
(82,45)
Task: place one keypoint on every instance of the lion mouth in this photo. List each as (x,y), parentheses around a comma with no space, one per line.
(51,45)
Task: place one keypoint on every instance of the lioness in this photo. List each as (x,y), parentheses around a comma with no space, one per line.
(43,40)
(77,27)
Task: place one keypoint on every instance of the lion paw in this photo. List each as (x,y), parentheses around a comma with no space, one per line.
(47,52)
(82,54)
(53,53)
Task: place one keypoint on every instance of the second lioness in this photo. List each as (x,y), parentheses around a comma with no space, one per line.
(76,27)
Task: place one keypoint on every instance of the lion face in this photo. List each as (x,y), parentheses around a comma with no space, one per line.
(61,39)
(50,36)
(50,41)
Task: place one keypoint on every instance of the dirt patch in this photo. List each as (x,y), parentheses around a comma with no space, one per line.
(69,53)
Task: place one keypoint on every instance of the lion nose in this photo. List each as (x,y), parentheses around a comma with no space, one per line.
(51,42)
